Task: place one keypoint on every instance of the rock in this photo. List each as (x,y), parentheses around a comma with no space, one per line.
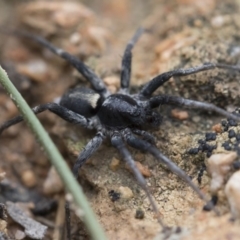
(126,192)
(232,191)
(218,166)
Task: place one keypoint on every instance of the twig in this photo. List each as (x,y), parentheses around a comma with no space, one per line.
(59,223)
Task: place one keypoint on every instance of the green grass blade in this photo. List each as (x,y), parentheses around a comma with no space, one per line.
(89,218)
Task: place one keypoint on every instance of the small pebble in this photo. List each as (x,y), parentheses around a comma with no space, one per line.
(193,151)
(210,136)
(209,153)
(196,119)
(11,109)
(143,169)
(218,21)
(139,157)
(198,23)
(225,128)
(206,147)
(19,234)
(139,214)
(53,183)
(28,178)
(236,165)
(125,192)
(217,128)
(218,166)
(231,133)
(226,146)
(179,114)
(112,80)
(114,165)
(29,142)
(224,123)
(2,176)
(200,141)
(238,136)
(36,70)
(232,191)
(232,122)
(114,196)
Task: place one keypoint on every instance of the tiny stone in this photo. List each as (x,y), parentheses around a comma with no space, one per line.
(209,154)
(125,192)
(196,119)
(53,183)
(218,166)
(232,191)
(236,165)
(28,178)
(217,128)
(114,196)
(210,136)
(224,123)
(217,21)
(2,175)
(198,23)
(225,128)
(238,137)
(36,70)
(181,115)
(232,123)
(207,147)
(231,133)
(139,157)
(111,80)
(226,146)
(200,141)
(114,164)
(178,230)
(193,151)
(238,150)
(19,235)
(143,169)
(139,214)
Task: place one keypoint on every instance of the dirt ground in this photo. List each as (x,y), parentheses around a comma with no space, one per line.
(181,34)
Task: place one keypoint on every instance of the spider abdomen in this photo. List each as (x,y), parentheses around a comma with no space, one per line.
(82,100)
(120,111)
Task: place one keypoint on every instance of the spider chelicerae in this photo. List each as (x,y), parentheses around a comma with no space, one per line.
(122,117)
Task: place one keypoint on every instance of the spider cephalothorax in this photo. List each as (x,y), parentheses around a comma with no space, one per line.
(122,117)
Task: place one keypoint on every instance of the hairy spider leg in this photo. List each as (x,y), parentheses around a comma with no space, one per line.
(146,135)
(59,110)
(118,143)
(188,103)
(87,72)
(159,80)
(147,147)
(88,151)
(127,61)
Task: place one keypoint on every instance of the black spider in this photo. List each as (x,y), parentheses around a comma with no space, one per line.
(121,116)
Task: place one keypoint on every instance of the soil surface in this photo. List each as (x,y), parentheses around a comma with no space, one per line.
(180,34)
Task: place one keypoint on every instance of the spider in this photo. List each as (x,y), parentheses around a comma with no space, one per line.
(122,116)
